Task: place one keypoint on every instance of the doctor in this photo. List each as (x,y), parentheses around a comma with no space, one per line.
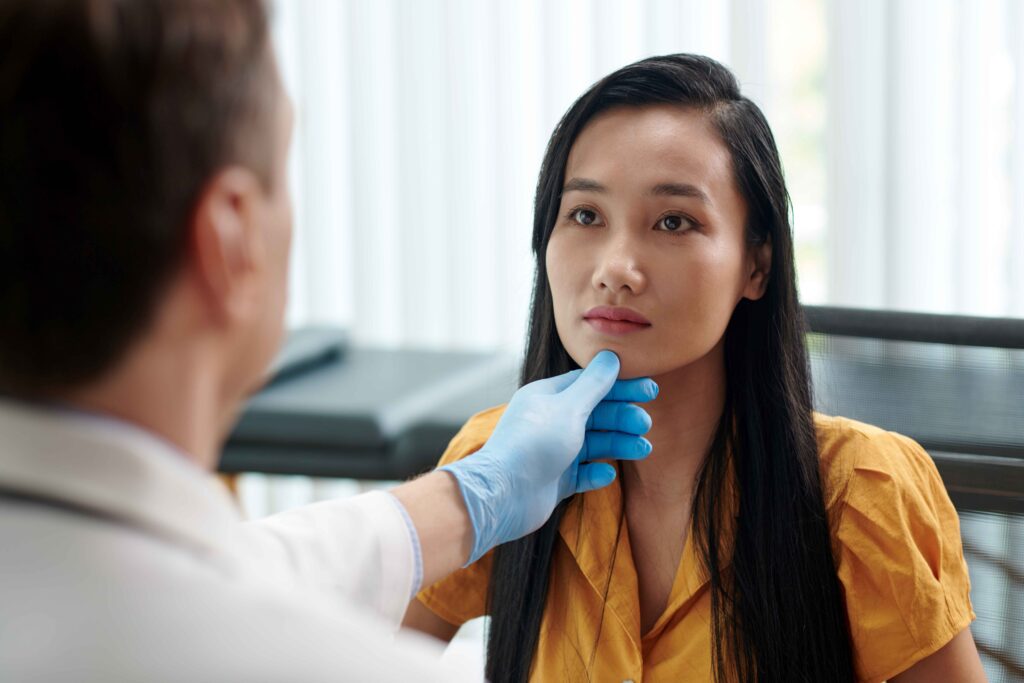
(144,237)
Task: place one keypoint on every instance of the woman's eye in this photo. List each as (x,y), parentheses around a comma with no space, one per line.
(584,216)
(674,223)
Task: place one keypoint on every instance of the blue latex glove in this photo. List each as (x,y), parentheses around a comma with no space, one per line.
(541,449)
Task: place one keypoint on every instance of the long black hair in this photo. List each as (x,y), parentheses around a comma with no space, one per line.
(778,612)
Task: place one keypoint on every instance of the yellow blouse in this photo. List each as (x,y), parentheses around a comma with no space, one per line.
(900,562)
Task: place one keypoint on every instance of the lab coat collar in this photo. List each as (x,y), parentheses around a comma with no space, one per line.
(114,470)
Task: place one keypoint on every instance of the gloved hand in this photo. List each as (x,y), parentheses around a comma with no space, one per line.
(541,449)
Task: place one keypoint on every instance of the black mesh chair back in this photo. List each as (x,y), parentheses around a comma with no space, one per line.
(955,384)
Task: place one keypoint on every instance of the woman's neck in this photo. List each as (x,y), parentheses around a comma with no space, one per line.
(684,418)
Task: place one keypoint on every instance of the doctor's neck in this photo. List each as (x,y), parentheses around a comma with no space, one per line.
(171,383)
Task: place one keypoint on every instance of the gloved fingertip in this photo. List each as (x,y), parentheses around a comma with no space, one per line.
(606,358)
(637,421)
(637,448)
(646,422)
(594,476)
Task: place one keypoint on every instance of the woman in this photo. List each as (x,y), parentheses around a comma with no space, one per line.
(759,541)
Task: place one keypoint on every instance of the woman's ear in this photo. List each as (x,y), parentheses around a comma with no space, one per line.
(760,270)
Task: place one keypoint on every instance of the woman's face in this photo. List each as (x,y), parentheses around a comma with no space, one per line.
(648,257)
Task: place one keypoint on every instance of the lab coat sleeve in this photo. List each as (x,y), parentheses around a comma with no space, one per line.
(361,551)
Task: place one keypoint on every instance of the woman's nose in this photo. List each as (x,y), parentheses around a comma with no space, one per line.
(619,268)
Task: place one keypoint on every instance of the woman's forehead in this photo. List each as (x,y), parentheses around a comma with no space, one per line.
(628,148)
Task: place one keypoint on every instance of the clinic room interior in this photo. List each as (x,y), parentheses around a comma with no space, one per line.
(803,220)
(900,127)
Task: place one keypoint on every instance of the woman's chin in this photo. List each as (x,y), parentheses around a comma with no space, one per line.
(633,364)
(633,368)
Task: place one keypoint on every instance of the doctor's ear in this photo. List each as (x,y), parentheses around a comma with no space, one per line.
(760,268)
(227,245)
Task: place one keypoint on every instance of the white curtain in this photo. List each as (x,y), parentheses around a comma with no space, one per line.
(926,155)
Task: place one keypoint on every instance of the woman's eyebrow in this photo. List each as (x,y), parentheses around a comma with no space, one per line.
(584,185)
(659,190)
(679,190)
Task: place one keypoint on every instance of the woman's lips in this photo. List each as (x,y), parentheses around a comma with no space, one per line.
(615,320)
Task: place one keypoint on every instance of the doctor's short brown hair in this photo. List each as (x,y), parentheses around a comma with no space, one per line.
(113,116)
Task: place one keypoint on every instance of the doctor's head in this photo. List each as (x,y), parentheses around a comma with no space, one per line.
(142,188)
(661,227)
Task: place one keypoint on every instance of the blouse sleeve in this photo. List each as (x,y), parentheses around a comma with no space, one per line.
(900,556)
(462,595)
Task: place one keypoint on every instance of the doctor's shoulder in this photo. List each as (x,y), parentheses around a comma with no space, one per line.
(186,620)
(897,545)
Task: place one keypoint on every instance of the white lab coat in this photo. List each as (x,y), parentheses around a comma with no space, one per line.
(122,561)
